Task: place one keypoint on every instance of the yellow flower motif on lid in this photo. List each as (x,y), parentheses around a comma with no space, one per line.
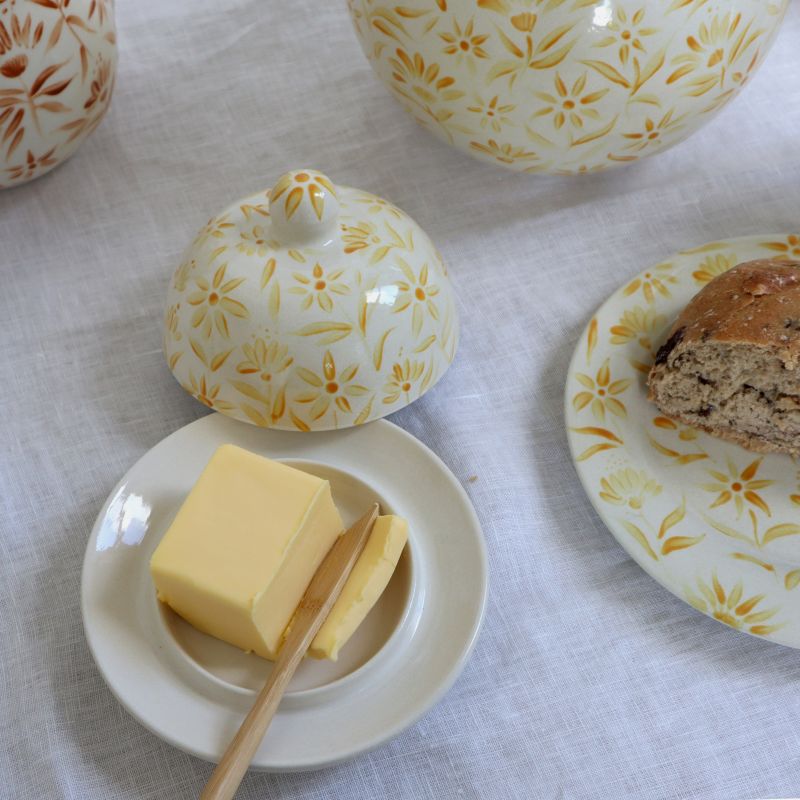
(601,393)
(417,293)
(265,360)
(402,380)
(627,487)
(360,236)
(207,393)
(253,242)
(377,205)
(319,286)
(739,487)
(329,387)
(295,185)
(731,608)
(269,364)
(215,228)
(213,304)
(570,103)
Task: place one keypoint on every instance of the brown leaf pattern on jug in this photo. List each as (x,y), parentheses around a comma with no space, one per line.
(57,67)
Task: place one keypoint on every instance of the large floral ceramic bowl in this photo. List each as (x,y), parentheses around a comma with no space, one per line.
(565,86)
(58,59)
(310,307)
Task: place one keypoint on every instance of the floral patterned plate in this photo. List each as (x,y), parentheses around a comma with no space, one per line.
(717,525)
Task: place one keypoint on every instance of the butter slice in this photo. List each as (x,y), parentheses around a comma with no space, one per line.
(244,547)
(364,586)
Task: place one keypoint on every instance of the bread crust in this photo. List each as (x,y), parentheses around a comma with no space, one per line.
(755,304)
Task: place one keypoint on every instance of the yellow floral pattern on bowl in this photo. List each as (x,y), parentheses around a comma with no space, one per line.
(717,525)
(564,86)
(310,307)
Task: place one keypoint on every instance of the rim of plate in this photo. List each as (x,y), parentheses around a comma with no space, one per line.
(404,718)
(603,510)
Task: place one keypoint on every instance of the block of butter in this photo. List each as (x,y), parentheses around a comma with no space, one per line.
(243,548)
(366,583)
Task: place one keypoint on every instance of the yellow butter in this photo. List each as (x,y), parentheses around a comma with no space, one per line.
(244,547)
(364,586)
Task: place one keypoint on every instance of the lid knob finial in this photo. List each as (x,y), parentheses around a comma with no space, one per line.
(303,206)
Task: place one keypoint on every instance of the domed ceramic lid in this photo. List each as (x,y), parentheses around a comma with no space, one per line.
(310,307)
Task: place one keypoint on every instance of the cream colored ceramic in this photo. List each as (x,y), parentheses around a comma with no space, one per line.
(58,60)
(310,307)
(193,690)
(565,85)
(717,525)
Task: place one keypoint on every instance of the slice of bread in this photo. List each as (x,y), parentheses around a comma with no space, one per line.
(731,362)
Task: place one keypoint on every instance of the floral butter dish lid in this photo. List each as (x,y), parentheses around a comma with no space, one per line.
(310,307)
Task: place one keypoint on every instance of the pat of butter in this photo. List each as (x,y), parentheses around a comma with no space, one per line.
(364,586)
(243,548)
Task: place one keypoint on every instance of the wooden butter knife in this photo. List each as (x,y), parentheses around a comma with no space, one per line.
(321,594)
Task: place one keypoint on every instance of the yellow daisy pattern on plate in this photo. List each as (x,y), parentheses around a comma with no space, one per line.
(717,525)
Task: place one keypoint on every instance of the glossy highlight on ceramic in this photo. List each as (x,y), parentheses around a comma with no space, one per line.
(58,61)
(310,307)
(564,86)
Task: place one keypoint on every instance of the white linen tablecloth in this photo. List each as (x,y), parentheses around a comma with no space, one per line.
(589,679)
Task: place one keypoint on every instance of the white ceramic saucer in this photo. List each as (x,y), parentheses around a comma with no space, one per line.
(193,690)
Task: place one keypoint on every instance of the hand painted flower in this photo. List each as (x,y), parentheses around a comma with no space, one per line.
(493,114)
(268,361)
(319,286)
(738,487)
(329,388)
(653,134)
(207,393)
(253,242)
(601,393)
(652,281)
(731,608)
(464,45)
(627,487)
(215,228)
(402,381)
(626,33)
(416,293)
(212,304)
(790,248)
(573,104)
(712,266)
(717,47)
(638,324)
